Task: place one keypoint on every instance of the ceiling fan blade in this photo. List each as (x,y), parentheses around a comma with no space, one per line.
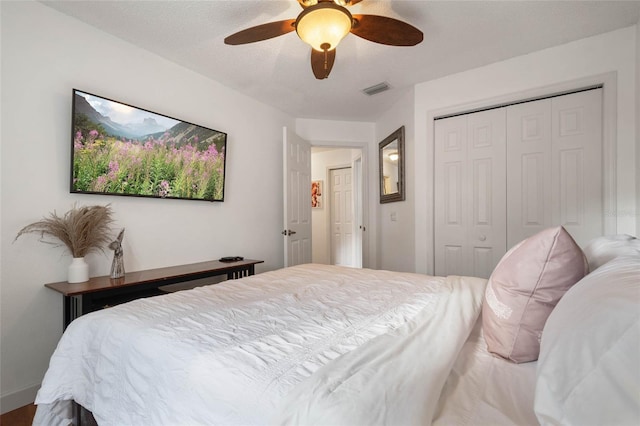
(385,30)
(322,62)
(261,32)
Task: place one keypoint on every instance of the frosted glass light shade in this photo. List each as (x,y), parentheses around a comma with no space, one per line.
(324,25)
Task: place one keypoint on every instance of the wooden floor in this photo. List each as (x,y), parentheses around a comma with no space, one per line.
(20,417)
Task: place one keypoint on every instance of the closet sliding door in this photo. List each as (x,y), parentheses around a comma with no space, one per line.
(504,174)
(470,193)
(554,166)
(528,169)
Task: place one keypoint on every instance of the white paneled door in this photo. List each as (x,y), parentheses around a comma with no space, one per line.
(504,174)
(528,168)
(554,166)
(576,146)
(342,218)
(297,199)
(470,200)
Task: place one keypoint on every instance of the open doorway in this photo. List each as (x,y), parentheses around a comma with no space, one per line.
(337,206)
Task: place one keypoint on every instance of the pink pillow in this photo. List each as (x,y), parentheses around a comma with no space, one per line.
(524,288)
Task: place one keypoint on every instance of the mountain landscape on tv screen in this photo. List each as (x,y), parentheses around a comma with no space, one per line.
(123,150)
(129,130)
(182,133)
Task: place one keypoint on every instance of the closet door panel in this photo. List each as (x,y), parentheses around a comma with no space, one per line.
(532,189)
(528,176)
(570,189)
(453,260)
(483,261)
(486,237)
(451,196)
(470,204)
(505,174)
(577,164)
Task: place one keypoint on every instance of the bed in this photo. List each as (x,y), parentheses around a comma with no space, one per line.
(316,344)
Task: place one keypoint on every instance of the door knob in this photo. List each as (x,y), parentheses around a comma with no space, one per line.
(288,232)
(482,237)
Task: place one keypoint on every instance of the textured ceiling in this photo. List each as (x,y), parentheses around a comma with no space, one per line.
(458,35)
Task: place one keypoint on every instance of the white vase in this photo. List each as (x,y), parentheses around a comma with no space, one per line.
(78,270)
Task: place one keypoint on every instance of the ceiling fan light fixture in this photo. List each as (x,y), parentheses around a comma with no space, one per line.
(323,26)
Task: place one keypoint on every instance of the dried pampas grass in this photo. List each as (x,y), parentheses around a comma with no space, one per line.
(82,229)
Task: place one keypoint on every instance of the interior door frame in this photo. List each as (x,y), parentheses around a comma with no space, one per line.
(368,252)
(358,208)
(608,82)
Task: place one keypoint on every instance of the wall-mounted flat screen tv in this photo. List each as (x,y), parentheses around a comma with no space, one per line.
(119,149)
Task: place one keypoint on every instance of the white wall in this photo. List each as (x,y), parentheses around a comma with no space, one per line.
(610,52)
(396,237)
(44,55)
(355,135)
(321,163)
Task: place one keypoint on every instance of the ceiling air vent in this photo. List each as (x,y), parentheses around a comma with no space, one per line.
(377,88)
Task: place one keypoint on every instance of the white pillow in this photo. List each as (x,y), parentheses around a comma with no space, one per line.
(602,249)
(589,364)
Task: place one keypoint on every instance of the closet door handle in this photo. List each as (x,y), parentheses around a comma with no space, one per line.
(482,237)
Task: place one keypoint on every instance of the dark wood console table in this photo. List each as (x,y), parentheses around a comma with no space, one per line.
(102,292)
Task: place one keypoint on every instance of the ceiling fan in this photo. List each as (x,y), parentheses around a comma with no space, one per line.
(323,23)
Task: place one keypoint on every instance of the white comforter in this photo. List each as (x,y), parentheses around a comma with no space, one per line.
(308,344)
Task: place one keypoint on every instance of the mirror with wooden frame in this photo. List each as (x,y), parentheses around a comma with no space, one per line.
(391,166)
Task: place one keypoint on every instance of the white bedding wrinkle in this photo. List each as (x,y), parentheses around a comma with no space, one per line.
(232,352)
(396,378)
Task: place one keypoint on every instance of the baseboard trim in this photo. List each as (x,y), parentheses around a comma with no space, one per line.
(18,399)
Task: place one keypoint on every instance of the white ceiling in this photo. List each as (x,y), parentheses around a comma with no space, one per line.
(458,35)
